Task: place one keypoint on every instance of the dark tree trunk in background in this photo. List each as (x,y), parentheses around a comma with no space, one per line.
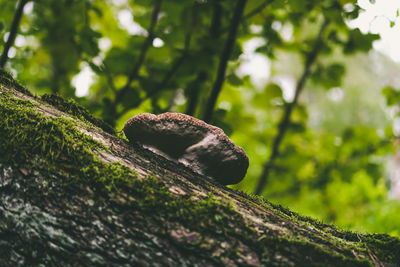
(13,32)
(223,61)
(72,194)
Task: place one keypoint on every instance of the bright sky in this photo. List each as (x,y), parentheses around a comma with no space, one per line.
(377,18)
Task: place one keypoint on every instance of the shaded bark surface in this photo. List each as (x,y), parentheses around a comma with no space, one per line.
(122,205)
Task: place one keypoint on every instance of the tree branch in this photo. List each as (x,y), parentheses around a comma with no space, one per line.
(215,31)
(146,45)
(285,121)
(194,91)
(135,70)
(109,78)
(174,68)
(226,53)
(257,9)
(194,87)
(215,26)
(13,32)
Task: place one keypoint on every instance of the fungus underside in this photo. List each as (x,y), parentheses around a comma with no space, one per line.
(28,135)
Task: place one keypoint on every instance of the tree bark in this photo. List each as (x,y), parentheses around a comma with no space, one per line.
(72,194)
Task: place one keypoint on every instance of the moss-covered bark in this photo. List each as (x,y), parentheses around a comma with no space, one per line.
(73,194)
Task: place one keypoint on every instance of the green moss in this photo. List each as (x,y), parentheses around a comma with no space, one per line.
(218,219)
(380,243)
(385,247)
(72,108)
(67,106)
(28,134)
(7,80)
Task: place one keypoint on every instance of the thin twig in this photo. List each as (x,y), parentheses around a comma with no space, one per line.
(226,53)
(285,121)
(13,32)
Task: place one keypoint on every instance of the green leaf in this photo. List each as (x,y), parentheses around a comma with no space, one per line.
(348,135)
(219,121)
(329,76)
(119,60)
(353,14)
(147,84)
(391,95)
(335,73)
(373,170)
(300,114)
(96,10)
(298,6)
(131,96)
(88,41)
(272,90)
(359,42)
(297,127)
(234,80)
(237,51)
(218,217)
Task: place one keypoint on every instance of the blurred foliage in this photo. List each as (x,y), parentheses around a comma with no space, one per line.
(157,56)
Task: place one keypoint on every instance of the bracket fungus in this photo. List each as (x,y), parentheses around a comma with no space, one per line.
(202,147)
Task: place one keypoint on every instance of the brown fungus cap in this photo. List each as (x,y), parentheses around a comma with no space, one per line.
(202,147)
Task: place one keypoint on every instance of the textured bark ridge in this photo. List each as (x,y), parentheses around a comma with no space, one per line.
(72,194)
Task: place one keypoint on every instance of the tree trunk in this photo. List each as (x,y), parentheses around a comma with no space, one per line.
(74,194)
